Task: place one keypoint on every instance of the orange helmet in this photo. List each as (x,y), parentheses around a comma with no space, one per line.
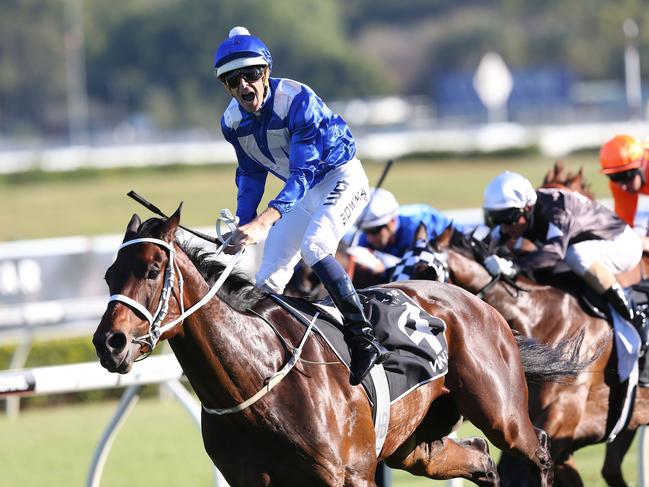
(621,153)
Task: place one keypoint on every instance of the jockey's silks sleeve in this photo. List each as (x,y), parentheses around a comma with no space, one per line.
(294,135)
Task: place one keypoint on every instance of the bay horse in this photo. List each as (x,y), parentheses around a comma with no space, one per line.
(560,177)
(314,428)
(574,415)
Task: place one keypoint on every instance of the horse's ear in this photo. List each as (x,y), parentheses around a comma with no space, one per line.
(132,227)
(171,225)
(421,233)
(444,238)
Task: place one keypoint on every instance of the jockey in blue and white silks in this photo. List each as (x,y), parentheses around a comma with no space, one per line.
(294,136)
(282,127)
(405,227)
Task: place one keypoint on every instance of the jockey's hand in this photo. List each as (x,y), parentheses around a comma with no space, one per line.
(496,265)
(251,233)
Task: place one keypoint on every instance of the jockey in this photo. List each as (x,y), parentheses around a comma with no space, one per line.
(390,229)
(591,239)
(281,126)
(625,161)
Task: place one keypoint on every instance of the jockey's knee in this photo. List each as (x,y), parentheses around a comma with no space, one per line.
(314,251)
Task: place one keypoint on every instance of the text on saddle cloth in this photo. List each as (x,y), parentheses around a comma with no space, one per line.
(415,338)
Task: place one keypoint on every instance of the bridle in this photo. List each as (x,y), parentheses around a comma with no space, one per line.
(157,329)
(438,262)
(148,341)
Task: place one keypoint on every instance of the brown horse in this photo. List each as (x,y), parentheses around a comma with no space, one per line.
(315,428)
(574,415)
(559,177)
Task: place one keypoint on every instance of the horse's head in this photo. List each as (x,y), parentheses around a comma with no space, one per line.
(426,260)
(141,282)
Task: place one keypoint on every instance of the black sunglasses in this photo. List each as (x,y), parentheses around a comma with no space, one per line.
(374,230)
(507,216)
(250,74)
(621,177)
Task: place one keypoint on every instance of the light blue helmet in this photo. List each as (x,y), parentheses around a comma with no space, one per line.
(240,50)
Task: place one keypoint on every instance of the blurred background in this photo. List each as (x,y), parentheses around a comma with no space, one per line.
(98,98)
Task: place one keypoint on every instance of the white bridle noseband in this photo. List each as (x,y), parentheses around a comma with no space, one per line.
(156,329)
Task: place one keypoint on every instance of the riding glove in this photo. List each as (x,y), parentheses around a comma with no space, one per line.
(496,265)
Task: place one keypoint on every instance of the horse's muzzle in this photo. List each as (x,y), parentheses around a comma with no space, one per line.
(113,351)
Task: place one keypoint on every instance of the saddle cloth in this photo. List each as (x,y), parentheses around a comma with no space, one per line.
(416,340)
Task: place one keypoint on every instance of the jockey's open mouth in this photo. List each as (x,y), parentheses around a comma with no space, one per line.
(248,97)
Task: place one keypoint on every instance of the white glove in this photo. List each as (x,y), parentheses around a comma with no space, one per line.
(497,265)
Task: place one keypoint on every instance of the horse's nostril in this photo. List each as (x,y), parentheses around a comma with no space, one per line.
(116,342)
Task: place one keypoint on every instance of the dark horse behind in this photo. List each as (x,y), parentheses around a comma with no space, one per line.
(314,428)
(574,415)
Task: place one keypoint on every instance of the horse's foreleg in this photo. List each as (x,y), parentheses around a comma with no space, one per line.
(566,474)
(615,451)
(445,459)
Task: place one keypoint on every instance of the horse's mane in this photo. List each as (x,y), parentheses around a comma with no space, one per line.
(237,290)
(560,177)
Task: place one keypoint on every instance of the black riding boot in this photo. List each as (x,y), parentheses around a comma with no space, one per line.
(618,300)
(359,335)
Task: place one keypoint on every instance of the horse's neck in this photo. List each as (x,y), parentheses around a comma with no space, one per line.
(466,272)
(513,305)
(210,346)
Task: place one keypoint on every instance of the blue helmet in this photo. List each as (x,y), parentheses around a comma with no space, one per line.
(240,50)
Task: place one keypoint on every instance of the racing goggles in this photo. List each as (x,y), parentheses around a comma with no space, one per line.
(374,230)
(507,216)
(250,74)
(624,176)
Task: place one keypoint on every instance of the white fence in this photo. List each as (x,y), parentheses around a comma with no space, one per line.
(551,140)
(163,370)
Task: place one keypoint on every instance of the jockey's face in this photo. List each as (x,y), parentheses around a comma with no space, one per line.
(248,91)
(632,184)
(516,229)
(380,237)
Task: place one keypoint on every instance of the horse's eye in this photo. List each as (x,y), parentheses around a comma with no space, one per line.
(153,273)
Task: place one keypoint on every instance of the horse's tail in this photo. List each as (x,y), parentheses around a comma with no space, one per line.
(559,363)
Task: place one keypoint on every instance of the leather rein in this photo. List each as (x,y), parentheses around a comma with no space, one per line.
(148,341)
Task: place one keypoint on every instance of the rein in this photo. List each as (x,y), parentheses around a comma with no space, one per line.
(509,280)
(156,329)
(274,379)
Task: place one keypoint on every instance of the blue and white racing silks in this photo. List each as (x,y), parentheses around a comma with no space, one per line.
(295,136)
(407,222)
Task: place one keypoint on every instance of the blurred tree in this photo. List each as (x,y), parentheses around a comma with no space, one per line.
(170,50)
(154,57)
(32,74)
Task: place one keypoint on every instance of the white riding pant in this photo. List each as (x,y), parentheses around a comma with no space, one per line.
(315,225)
(619,255)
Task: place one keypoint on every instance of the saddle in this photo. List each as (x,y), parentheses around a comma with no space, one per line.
(592,303)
